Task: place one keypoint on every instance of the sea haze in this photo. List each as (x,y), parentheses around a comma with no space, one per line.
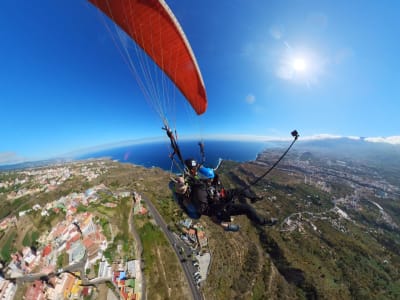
(157,154)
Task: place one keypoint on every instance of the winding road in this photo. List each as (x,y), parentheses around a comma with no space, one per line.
(176,243)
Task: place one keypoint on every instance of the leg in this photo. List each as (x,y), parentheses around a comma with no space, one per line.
(226,224)
(236,209)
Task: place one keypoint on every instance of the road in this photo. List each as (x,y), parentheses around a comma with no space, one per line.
(140,282)
(78,266)
(176,243)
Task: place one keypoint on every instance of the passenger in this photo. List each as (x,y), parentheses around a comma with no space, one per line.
(203,194)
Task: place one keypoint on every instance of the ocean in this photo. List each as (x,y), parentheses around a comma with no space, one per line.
(157,154)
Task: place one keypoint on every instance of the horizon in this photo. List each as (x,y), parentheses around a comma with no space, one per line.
(6,161)
(319,67)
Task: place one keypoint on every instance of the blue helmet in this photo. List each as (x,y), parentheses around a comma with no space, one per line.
(206,173)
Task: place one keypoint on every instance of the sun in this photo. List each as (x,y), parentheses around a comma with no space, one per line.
(299,65)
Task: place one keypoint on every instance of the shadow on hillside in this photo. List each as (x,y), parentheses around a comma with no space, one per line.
(292,275)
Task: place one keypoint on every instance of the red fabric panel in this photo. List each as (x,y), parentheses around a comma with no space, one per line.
(154,28)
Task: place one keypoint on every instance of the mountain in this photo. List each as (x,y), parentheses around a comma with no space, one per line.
(354,149)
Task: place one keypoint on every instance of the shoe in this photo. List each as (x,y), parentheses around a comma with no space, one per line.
(270,222)
(232,227)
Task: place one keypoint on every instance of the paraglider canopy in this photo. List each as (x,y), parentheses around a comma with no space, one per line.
(152,25)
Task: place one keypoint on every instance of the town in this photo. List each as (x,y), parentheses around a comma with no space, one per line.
(359,183)
(77,253)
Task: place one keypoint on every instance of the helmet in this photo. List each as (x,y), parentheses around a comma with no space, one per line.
(206,173)
(190,163)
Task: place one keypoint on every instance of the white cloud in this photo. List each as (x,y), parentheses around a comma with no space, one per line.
(394,140)
(250,99)
(327,136)
(354,137)
(321,136)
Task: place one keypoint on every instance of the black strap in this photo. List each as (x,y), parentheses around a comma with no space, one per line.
(202,153)
(174,144)
(295,135)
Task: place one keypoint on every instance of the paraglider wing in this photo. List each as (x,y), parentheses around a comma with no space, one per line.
(152,25)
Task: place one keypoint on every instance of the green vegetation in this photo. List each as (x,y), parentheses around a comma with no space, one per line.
(14,206)
(30,238)
(62,260)
(151,237)
(160,263)
(7,247)
(121,247)
(105,225)
(96,268)
(81,208)
(325,257)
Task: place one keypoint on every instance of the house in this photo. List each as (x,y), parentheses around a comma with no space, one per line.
(187,223)
(86,292)
(46,250)
(72,240)
(7,289)
(71,210)
(28,256)
(76,289)
(58,231)
(69,284)
(35,291)
(201,237)
(76,252)
(105,269)
(120,195)
(92,249)
(88,226)
(90,192)
(143,210)
(131,268)
(5,223)
(192,235)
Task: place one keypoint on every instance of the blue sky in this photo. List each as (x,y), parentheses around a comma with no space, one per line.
(322,67)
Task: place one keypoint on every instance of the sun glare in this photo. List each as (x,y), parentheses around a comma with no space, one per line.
(299,65)
(302,66)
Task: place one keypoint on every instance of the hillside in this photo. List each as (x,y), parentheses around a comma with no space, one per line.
(337,237)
